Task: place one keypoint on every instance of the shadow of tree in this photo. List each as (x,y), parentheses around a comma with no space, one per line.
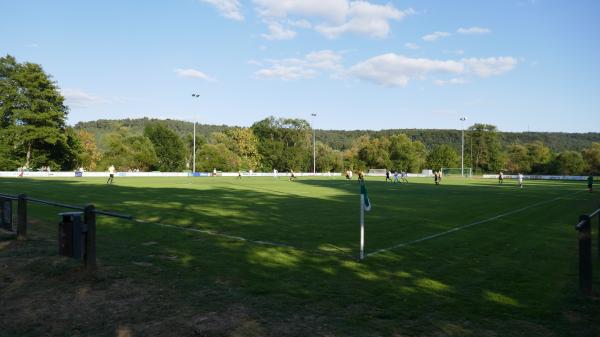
(488,279)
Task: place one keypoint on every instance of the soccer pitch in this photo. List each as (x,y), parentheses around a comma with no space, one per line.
(467,257)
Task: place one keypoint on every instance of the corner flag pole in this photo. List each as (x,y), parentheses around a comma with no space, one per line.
(194,152)
(362,227)
(365,205)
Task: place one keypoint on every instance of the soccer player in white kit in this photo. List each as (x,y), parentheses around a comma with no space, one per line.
(520,178)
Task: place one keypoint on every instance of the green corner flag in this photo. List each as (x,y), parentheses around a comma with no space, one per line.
(363,191)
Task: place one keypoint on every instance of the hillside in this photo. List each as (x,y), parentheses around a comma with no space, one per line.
(342,139)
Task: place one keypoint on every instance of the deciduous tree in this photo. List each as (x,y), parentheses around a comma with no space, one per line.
(169,148)
(442,156)
(32,116)
(568,163)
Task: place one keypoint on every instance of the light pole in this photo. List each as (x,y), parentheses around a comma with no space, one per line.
(194,150)
(462,148)
(314,146)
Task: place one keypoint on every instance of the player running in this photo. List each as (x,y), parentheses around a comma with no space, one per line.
(111,174)
(403,176)
(348,175)
(292,175)
(387,176)
(501,178)
(520,179)
(590,181)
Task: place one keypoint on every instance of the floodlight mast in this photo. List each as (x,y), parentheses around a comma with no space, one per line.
(194,150)
(314,147)
(462,148)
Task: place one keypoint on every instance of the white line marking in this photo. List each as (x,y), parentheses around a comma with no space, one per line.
(276,244)
(232,237)
(242,239)
(455,229)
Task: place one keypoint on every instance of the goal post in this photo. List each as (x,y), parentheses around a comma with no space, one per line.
(456,172)
(377,172)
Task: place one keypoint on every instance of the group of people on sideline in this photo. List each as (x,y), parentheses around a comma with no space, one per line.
(403,176)
(519,178)
(399,177)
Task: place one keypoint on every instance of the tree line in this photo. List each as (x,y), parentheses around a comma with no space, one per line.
(344,139)
(286,144)
(34,134)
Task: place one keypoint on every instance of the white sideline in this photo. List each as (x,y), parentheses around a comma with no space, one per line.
(455,229)
(209,232)
(239,238)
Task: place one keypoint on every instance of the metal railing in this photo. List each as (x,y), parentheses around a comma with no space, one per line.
(89,212)
(584,227)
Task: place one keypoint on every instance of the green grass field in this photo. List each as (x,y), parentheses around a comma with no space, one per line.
(509,268)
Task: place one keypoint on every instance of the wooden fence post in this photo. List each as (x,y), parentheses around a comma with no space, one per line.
(90,237)
(585,255)
(22,217)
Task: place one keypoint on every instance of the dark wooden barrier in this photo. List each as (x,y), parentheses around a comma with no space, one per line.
(90,212)
(584,227)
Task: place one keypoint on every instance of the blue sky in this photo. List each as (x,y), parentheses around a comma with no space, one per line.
(518,64)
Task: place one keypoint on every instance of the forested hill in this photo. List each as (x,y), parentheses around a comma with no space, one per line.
(557,141)
(102,127)
(342,139)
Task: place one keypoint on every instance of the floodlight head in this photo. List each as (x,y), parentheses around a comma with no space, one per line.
(314,115)
(463,119)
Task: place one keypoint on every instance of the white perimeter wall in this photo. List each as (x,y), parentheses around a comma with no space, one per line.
(246,174)
(157,174)
(536,177)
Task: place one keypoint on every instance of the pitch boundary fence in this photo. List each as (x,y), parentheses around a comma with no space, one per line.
(89,211)
(584,227)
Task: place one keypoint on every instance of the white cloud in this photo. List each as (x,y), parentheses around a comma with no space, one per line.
(451,81)
(301,68)
(435,36)
(389,69)
(364,18)
(331,10)
(473,30)
(457,52)
(193,73)
(411,45)
(335,17)
(80,98)
(397,70)
(324,59)
(286,73)
(486,67)
(300,24)
(230,9)
(278,32)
